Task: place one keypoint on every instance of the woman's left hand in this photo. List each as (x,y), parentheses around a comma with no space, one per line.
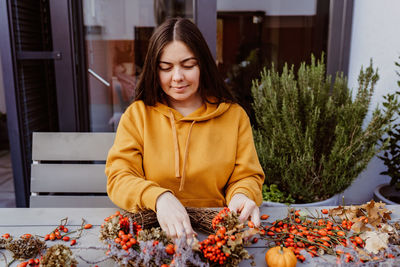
(246,207)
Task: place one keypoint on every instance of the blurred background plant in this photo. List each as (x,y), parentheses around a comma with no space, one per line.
(273,194)
(240,76)
(391,156)
(310,134)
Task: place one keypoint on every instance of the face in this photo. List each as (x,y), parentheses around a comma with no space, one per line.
(179,75)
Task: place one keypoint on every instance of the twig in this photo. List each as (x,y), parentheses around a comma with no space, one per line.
(4,256)
(94,262)
(10,262)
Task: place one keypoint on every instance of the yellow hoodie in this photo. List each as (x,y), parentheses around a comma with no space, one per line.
(203,159)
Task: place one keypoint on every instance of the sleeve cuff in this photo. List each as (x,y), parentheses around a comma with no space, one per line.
(257,200)
(151,195)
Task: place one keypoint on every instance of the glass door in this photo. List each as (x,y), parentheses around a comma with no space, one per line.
(255,33)
(116,39)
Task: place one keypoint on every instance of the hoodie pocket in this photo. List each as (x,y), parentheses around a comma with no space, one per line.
(202,203)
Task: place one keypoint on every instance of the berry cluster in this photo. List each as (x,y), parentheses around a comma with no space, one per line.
(63,233)
(225,246)
(298,233)
(126,241)
(212,247)
(219,219)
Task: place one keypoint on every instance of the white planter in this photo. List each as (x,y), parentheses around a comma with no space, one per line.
(332,201)
(383,190)
(272,204)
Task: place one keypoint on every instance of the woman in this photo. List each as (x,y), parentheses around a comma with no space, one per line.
(183,141)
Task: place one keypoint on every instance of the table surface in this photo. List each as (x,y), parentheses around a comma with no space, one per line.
(40,221)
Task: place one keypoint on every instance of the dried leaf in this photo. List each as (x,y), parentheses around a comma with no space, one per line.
(362,254)
(375,241)
(374,212)
(359,227)
(249,233)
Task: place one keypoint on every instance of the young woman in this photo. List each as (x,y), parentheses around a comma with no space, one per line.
(183,141)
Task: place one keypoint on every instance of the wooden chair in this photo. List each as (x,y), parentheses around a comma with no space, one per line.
(68,169)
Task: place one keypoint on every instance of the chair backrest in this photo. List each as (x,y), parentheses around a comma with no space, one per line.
(68,169)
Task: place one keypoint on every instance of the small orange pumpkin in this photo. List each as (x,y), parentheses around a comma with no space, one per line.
(280,257)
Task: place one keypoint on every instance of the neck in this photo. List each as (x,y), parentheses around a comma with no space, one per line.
(185,108)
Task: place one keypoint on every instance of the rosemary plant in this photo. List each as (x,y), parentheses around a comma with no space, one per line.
(312,137)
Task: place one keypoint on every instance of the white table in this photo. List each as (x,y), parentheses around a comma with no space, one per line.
(40,221)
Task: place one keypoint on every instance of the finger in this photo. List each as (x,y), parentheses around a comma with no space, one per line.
(162,224)
(188,229)
(164,227)
(246,211)
(172,231)
(244,215)
(231,207)
(234,207)
(180,230)
(255,217)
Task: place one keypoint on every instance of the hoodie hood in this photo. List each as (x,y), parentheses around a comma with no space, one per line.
(206,112)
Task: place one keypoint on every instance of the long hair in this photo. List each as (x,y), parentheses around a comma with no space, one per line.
(211,85)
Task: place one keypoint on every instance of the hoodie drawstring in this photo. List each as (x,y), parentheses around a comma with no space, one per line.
(185,158)
(176,145)
(176,150)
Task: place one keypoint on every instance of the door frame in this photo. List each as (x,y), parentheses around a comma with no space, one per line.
(71,83)
(8,61)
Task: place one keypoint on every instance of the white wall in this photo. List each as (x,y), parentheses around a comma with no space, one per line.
(2,96)
(271,7)
(375,35)
(118,17)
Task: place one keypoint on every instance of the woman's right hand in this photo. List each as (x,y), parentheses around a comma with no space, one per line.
(172,216)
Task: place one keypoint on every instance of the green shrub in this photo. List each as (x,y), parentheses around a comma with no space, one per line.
(273,194)
(391,155)
(310,137)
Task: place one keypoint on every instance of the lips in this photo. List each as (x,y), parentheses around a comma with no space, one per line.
(179,88)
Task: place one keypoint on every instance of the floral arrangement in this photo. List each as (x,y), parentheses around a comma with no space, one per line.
(27,247)
(131,245)
(355,234)
(362,235)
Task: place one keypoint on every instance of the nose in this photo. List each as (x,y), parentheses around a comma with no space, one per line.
(177,75)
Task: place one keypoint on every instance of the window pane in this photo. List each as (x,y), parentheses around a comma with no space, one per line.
(117,34)
(255,33)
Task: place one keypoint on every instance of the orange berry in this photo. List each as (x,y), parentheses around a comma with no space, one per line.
(250,224)
(52,236)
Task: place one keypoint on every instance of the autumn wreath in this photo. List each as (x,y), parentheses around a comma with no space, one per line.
(132,242)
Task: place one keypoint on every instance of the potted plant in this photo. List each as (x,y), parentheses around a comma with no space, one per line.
(310,135)
(390,193)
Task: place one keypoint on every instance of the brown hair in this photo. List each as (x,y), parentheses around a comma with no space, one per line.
(211,84)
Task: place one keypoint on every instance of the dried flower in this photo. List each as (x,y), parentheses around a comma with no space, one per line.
(154,234)
(25,247)
(4,242)
(110,229)
(58,256)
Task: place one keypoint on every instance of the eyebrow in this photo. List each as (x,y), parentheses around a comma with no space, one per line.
(183,61)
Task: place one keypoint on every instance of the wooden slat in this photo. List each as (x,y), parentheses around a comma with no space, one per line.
(71,146)
(85,178)
(71,202)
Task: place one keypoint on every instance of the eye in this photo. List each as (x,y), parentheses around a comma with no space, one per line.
(190,64)
(164,67)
